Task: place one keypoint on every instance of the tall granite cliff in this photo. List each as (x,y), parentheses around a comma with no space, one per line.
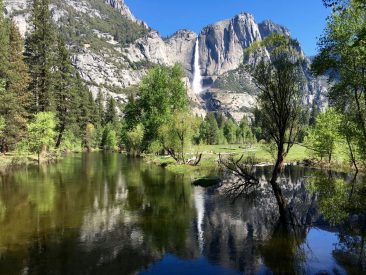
(113,50)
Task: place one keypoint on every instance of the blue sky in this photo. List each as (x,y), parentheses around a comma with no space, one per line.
(304,18)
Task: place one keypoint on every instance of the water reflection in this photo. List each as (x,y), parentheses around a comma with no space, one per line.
(105,214)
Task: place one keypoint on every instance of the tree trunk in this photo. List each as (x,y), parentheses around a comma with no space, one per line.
(60,134)
(281,200)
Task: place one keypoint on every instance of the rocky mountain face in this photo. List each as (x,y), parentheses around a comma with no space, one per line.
(113,50)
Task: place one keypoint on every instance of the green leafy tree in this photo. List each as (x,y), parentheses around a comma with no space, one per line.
(352,135)
(109,138)
(41,133)
(89,137)
(324,136)
(244,132)
(39,49)
(177,135)
(134,140)
(279,101)
(343,57)
(161,93)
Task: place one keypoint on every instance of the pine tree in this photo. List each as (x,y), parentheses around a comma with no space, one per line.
(14,98)
(111,116)
(99,102)
(39,49)
(4,41)
(64,91)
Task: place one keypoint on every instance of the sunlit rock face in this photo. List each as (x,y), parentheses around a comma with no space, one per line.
(222,44)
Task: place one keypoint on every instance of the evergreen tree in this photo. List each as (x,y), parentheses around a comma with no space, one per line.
(64,91)
(111,116)
(230,128)
(14,98)
(38,50)
(99,104)
(212,129)
(87,110)
(220,118)
(4,41)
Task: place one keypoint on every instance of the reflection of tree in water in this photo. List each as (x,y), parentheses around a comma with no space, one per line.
(246,233)
(163,202)
(343,203)
(106,215)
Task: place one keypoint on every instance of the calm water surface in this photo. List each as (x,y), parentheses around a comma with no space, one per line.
(105,214)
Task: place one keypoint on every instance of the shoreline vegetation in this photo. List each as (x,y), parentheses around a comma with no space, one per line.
(209,163)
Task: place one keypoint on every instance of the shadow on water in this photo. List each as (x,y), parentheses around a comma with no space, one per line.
(105,214)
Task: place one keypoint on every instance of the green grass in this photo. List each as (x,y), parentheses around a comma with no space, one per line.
(209,162)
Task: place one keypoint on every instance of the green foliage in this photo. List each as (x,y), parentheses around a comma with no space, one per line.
(244,133)
(230,130)
(4,41)
(343,58)
(155,147)
(338,199)
(71,142)
(2,126)
(161,93)
(89,140)
(323,137)
(14,93)
(109,138)
(39,49)
(209,130)
(134,140)
(41,133)
(111,112)
(177,135)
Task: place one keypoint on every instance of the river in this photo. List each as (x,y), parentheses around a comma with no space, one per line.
(102,213)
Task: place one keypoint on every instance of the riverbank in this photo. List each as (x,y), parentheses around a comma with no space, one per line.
(298,155)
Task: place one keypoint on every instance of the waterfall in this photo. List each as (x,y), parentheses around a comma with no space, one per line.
(197,78)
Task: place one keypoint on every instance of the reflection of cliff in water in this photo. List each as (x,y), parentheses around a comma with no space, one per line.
(104,214)
(236,229)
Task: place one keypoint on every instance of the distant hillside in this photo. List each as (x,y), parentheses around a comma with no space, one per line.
(113,50)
